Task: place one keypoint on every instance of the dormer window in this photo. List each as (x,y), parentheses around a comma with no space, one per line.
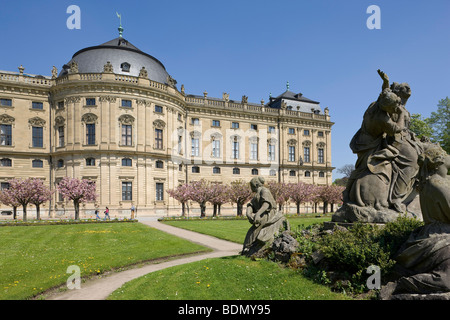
(125,66)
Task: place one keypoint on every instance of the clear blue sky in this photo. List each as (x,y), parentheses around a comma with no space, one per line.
(252,47)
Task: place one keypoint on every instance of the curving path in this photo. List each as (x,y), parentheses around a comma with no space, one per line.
(100,289)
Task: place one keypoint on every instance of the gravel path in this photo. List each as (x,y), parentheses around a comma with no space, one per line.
(100,289)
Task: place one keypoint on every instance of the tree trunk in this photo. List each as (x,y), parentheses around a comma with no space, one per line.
(38,212)
(239,209)
(202,210)
(298,208)
(76,205)
(218,209)
(24,212)
(183,209)
(215,210)
(15,213)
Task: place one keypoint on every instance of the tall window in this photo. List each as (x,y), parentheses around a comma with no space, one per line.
(306,156)
(216,148)
(235,149)
(254,151)
(291,153)
(5,135)
(127,190)
(61,136)
(127,135)
(90,133)
(38,137)
(320,158)
(195,147)
(158,139)
(271,155)
(159,191)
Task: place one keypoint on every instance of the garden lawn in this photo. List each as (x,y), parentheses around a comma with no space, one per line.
(234,229)
(35,258)
(229,278)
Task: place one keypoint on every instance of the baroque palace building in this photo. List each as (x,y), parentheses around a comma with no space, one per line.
(115,116)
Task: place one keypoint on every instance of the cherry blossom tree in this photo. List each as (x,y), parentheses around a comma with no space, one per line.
(239,192)
(280,192)
(181,193)
(199,192)
(42,194)
(78,191)
(7,198)
(219,195)
(330,194)
(22,191)
(300,193)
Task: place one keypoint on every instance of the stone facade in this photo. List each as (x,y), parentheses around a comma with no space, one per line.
(136,137)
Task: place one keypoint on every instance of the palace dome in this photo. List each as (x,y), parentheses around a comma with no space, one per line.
(124,57)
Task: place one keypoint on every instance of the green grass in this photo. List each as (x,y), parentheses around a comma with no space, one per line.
(229,278)
(35,258)
(234,230)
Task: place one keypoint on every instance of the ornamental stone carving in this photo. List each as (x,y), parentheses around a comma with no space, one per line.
(73,67)
(126,119)
(89,118)
(59,120)
(36,122)
(6,119)
(159,124)
(72,100)
(143,73)
(107,99)
(306,143)
(292,142)
(108,67)
(143,102)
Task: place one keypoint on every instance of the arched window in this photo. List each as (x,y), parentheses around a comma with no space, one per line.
(255,172)
(216,170)
(307,174)
(236,171)
(126,162)
(159,164)
(37,163)
(5,162)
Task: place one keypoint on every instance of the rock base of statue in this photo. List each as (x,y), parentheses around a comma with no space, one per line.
(387,290)
(350,213)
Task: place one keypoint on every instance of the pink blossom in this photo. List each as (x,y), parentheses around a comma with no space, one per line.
(78,191)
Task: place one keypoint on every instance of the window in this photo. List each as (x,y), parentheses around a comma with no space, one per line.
(38,137)
(235,125)
(127,192)
(307,174)
(90,162)
(271,129)
(216,148)
(126,103)
(306,132)
(216,123)
(195,147)
(321,174)
(271,156)
(5,135)
(291,131)
(235,149)
(126,162)
(216,170)
(125,66)
(158,109)
(159,191)
(61,136)
(37,164)
(5,162)
(4,186)
(90,101)
(37,105)
(195,121)
(255,172)
(320,134)
(6,102)
(236,171)
(158,139)
(291,153)
(127,137)
(180,167)
(306,157)
(254,151)
(159,164)
(90,133)
(272,172)
(253,127)
(60,163)
(320,158)
(292,173)
(195,169)
(61,105)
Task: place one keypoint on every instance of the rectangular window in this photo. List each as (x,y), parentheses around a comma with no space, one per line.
(306,155)
(306,132)
(37,105)
(254,151)
(291,153)
(195,121)
(159,191)
(158,109)
(61,136)
(4,186)
(127,135)
(126,162)
(235,125)
(37,164)
(216,170)
(216,123)
(216,148)
(158,139)
(195,147)
(38,137)
(126,103)
(320,158)
(253,127)
(90,101)
(90,133)
(291,131)
(6,102)
(271,129)
(5,135)
(320,134)
(195,169)
(271,155)
(127,190)
(235,149)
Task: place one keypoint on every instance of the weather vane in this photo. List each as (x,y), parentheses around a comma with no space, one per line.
(120,26)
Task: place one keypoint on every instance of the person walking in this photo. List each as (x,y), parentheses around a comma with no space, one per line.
(107,214)
(133,209)
(96,215)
